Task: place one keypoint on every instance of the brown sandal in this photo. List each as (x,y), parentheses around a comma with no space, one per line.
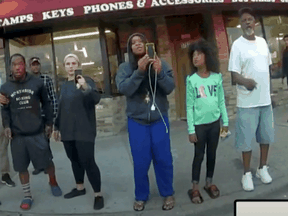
(169,203)
(139,205)
(211,190)
(194,194)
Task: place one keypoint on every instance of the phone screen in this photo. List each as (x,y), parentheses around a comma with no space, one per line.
(76,73)
(150,49)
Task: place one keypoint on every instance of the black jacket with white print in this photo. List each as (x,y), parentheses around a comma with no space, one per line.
(23,113)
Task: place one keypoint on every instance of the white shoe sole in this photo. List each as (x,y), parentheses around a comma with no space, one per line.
(247,189)
(258,176)
(7,184)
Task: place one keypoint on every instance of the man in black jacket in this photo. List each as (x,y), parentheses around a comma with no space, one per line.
(285,59)
(35,66)
(23,124)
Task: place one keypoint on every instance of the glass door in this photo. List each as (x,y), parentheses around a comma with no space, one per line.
(35,46)
(85,44)
(275,29)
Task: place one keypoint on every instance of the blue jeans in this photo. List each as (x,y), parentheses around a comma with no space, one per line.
(251,122)
(151,142)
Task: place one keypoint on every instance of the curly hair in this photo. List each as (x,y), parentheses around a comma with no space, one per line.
(210,52)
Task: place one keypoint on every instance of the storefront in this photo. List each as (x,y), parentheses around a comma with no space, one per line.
(98,33)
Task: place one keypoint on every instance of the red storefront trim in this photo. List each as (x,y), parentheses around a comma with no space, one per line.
(14,12)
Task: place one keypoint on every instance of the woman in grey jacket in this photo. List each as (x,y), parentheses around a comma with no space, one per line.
(146,83)
(75,126)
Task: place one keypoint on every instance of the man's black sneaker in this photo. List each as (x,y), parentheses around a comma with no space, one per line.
(75,193)
(7,180)
(36,171)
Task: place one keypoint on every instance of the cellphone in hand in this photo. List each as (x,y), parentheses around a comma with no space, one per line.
(150,50)
(77,73)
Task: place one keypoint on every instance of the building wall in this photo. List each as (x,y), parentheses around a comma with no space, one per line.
(164,52)
(223,48)
(111,118)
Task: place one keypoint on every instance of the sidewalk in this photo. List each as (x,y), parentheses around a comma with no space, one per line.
(115,162)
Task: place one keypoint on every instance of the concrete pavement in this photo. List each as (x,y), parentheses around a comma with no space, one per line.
(114,160)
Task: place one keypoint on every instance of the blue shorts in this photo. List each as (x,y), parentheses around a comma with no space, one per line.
(251,122)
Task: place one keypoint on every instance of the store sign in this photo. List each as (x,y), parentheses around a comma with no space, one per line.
(16,20)
(108,7)
(87,9)
(156,3)
(57,13)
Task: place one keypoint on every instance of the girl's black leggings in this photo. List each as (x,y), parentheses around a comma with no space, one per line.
(81,155)
(208,137)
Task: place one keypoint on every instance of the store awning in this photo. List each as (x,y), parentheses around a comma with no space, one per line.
(13,12)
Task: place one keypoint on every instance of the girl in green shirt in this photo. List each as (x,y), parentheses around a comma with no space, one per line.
(205,106)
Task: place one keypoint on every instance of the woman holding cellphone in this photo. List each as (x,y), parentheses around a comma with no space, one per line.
(75,126)
(146,83)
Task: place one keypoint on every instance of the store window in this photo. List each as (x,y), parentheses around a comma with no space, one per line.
(275,28)
(35,46)
(2,63)
(234,30)
(85,44)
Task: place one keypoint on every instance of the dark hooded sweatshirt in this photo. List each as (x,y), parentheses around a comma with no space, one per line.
(23,113)
(285,62)
(76,119)
(134,84)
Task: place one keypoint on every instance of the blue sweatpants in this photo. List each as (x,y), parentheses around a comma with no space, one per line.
(151,142)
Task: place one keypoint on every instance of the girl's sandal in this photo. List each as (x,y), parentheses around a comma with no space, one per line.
(212,190)
(195,194)
(26,203)
(139,205)
(169,203)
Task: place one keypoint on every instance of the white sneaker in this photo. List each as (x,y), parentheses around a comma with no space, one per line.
(264,175)
(247,182)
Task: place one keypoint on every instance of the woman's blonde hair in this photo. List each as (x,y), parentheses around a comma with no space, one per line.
(74,56)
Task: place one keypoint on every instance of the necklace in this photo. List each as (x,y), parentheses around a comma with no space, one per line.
(147,97)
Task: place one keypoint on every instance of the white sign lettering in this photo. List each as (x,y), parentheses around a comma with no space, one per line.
(16,20)
(141,3)
(158,3)
(89,9)
(58,13)
(236,1)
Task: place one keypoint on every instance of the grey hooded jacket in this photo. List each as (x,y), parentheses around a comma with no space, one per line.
(134,84)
